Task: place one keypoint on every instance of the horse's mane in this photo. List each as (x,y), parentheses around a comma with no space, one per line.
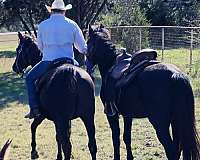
(37,56)
(103,38)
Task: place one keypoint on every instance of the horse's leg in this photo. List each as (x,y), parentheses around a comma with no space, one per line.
(114,125)
(163,134)
(127,137)
(176,140)
(90,127)
(62,128)
(59,154)
(36,122)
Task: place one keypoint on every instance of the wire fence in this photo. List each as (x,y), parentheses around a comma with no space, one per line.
(184,41)
(175,44)
(8,40)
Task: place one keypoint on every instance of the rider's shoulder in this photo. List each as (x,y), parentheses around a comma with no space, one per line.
(43,22)
(70,21)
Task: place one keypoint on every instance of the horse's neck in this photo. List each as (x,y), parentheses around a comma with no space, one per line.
(37,58)
(105,67)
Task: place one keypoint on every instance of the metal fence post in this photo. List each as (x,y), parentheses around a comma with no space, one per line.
(163,43)
(191,48)
(140,38)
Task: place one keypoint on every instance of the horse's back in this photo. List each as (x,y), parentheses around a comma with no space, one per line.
(64,89)
(160,75)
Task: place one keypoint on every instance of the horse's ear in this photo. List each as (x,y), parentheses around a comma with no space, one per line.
(20,36)
(90,30)
(101,26)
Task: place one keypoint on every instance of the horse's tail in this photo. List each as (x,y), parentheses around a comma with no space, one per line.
(184,118)
(3,151)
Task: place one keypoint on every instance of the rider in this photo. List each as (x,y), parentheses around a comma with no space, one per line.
(56,37)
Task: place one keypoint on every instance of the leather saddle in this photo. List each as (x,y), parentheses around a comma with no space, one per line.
(128,66)
(60,61)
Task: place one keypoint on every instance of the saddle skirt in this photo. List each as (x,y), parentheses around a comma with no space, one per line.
(122,64)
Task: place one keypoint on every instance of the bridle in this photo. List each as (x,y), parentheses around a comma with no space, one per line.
(24,59)
(19,53)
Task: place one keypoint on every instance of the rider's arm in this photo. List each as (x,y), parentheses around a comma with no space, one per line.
(79,41)
(39,38)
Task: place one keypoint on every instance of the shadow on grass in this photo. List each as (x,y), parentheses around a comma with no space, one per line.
(7,54)
(11,89)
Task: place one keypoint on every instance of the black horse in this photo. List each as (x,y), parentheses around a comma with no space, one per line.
(66,92)
(161,92)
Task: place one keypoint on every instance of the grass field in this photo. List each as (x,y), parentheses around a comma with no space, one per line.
(13,106)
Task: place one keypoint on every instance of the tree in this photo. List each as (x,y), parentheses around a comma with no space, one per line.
(30,13)
(26,12)
(159,13)
(172,12)
(186,12)
(125,12)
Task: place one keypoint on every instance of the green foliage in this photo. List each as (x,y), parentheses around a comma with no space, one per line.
(178,12)
(186,13)
(128,13)
(24,14)
(124,12)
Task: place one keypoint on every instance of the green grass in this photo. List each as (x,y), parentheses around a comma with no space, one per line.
(13,106)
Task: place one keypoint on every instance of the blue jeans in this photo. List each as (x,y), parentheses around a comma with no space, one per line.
(37,71)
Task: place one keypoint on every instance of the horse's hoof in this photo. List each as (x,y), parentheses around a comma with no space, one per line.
(34,155)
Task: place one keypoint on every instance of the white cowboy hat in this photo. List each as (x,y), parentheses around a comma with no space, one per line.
(58,4)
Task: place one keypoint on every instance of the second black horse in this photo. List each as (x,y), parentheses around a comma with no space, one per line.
(161,92)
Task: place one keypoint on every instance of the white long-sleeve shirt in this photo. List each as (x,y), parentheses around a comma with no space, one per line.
(56,37)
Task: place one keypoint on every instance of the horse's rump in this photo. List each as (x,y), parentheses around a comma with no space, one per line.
(60,89)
